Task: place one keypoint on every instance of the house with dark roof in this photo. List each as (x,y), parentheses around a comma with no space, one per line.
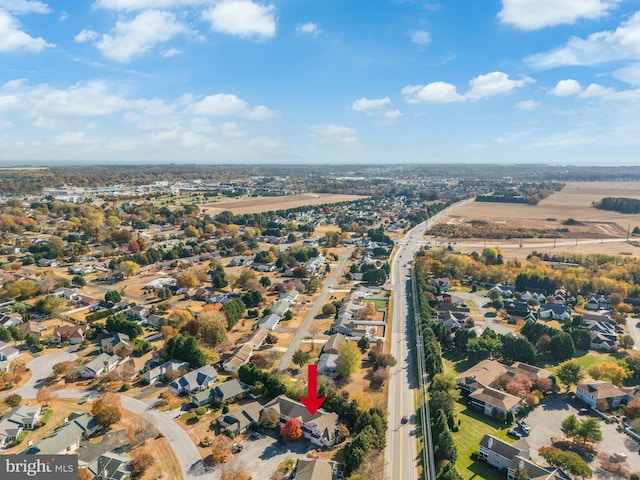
(100,365)
(66,438)
(320,428)
(111,466)
(75,334)
(554,311)
(7,352)
(170,367)
(239,420)
(194,381)
(332,345)
(226,392)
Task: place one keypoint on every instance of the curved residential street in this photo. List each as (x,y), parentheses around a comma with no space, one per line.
(187,453)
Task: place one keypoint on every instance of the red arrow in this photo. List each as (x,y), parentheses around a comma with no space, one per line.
(312,403)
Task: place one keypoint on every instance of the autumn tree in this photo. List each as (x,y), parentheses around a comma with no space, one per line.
(626,342)
(329,309)
(234,472)
(187,280)
(106,410)
(611,372)
(213,327)
(45,395)
(301,357)
(220,450)
(291,430)
(349,359)
(128,268)
(140,463)
(84,474)
(568,461)
(269,419)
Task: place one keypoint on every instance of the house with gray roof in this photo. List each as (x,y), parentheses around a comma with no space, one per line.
(8,353)
(111,466)
(100,365)
(194,381)
(320,428)
(66,438)
(316,469)
(161,371)
(270,321)
(239,420)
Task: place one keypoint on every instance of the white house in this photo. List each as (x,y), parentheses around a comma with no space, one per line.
(194,381)
(8,353)
(100,365)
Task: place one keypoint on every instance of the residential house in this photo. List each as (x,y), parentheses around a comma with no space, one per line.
(444,283)
(16,421)
(280,307)
(119,345)
(242,261)
(81,270)
(603,335)
(269,322)
(66,438)
(320,428)
(327,364)
(239,357)
(332,345)
(505,290)
(168,368)
(316,469)
(100,365)
(8,353)
(554,311)
(74,334)
(194,381)
(46,262)
(596,317)
(226,392)
(239,420)
(67,293)
(154,320)
(10,319)
(111,466)
(257,337)
(513,457)
(597,303)
(30,328)
(138,313)
(599,390)
(495,403)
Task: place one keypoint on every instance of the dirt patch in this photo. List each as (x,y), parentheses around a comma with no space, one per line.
(266,204)
(166,464)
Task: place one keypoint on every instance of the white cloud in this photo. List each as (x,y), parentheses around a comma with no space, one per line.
(629,74)
(242,18)
(138,36)
(220,105)
(566,87)
(368,104)
(601,47)
(310,27)
(527,105)
(335,134)
(607,93)
(392,114)
(146,4)
(13,39)
(436,92)
(24,6)
(172,52)
(85,36)
(420,37)
(482,86)
(494,83)
(536,14)
(261,113)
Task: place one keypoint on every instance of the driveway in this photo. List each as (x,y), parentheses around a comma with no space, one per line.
(489,321)
(260,458)
(545,422)
(634,331)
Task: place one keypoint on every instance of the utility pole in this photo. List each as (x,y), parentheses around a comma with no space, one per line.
(628,230)
(554,239)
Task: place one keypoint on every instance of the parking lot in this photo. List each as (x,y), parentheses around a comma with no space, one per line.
(545,422)
(261,457)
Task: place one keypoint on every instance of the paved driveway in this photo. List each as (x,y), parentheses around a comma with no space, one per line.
(545,422)
(260,458)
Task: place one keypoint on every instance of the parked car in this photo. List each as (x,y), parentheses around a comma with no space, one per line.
(514,433)
(404,420)
(236,448)
(583,411)
(524,427)
(255,436)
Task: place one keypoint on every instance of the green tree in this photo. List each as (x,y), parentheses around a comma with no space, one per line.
(568,461)
(5,335)
(443,393)
(265,281)
(79,281)
(569,373)
(448,472)
(570,426)
(349,359)
(562,347)
(112,296)
(301,357)
(269,419)
(589,431)
(233,310)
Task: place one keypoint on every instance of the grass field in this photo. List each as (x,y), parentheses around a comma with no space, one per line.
(266,204)
(473,426)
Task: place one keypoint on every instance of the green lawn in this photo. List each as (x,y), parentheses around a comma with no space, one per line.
(379,303)
(590,359)
(473,426)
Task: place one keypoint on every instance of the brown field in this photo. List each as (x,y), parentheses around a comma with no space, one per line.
(266,204)
(574,201)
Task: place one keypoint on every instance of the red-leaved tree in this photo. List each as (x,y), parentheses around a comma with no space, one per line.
(291,430)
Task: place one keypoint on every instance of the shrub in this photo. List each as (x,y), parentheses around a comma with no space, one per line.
(201,410)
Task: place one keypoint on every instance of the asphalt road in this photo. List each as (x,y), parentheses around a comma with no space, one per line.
(184,448)
(401,454)
(333,279)
(563,243)
(489,320)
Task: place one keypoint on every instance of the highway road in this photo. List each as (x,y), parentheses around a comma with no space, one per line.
(401,454)
(535,244)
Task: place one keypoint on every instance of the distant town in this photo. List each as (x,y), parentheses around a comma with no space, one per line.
(475,321)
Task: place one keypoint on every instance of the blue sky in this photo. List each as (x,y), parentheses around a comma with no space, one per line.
(331,81)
